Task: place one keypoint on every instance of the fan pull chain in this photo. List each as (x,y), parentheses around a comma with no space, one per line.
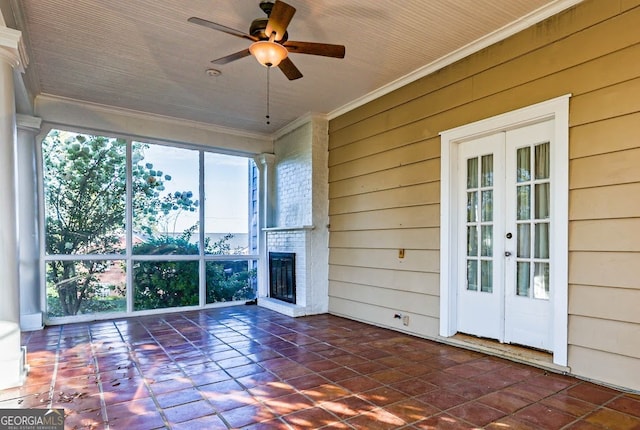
(268,121)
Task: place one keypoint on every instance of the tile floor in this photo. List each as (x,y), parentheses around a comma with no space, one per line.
(248,367)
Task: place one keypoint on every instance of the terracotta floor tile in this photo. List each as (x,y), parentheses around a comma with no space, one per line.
(209,422)
(338,374)
(503,401)
(377,419)
(307,381)
(442,399)
(414,387)
(553,382)
(411,410)
(232,400)
(466,370)
(274,424)
(389,376)
(511,423)
(582,425)
(147,421)
(312,418)
(326,392)
(627,405)
(476,413)
(570,405)
(368,367)
(348,407)
(253,368)
(444,422)
(168,400)
(250,381)
(290,403)
(247,415)
(203,379)
(611,419)
(592,393)
(271,390)
(528,392)
(383,396)
(545,418)
(359,384)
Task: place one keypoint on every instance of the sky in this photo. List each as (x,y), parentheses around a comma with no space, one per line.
(226,186)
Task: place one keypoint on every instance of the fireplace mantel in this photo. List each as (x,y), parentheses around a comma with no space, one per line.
(291,228)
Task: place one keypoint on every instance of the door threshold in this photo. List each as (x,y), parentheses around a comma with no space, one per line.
(517,353)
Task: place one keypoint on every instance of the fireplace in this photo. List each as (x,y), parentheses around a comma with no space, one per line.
(282,276)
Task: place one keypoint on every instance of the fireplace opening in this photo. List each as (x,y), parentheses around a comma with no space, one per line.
(282,276)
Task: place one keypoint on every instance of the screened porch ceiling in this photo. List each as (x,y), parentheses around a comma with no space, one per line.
(143,55)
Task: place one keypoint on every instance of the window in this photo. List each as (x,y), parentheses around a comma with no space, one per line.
(122,226)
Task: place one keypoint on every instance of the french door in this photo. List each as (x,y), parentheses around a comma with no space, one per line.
(505,245)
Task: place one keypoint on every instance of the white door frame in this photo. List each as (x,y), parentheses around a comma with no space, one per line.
(556,109)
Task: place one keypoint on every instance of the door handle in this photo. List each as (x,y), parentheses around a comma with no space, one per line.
(507,254)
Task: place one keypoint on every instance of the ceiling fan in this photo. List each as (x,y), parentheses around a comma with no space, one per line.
(270,40)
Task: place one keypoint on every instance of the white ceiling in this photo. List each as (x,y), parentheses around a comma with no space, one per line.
(144,55)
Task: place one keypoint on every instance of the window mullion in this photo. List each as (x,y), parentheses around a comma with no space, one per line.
(129,226)
(201,234)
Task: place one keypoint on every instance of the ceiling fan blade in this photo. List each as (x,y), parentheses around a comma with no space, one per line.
(232,57)
(222,28)
(279,19)
(289,69)
(311,48)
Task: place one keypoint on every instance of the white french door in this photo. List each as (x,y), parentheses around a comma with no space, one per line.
(504,240)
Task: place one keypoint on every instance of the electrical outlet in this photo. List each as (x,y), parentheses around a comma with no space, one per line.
(405,320)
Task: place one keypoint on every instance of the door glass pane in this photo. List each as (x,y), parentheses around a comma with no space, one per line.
(523,173)
(472,206)
(522,279)
(542,201)
(541,281)
(472,275)
(472,241)
(524,240)
(524,206)
(486,246)
(486,276)
(165,199)
(165,284)
(542,241)
(487,171)
(542,161)
(487,206)
(472,173)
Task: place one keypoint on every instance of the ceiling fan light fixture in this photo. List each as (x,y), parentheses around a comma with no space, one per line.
(268,53)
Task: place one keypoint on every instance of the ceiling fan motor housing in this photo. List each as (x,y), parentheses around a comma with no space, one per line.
(257,29)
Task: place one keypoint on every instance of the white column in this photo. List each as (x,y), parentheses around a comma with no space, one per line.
(30,300)
(265,163)
(12,366)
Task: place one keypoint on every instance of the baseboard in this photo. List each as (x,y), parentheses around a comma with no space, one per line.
(31,322)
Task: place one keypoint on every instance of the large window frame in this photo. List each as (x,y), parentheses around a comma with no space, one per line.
(128,256)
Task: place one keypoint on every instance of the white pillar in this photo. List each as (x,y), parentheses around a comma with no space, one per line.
(30,300)
(12,366)
(266,211)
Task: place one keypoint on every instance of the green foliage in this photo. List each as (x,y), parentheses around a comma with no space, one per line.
(164,284)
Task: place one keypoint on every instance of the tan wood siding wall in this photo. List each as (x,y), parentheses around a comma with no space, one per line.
(384,179)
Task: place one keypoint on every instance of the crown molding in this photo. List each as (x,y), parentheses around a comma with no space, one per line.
(503,33)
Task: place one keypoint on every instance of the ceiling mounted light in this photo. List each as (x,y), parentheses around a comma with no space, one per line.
(268,53)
